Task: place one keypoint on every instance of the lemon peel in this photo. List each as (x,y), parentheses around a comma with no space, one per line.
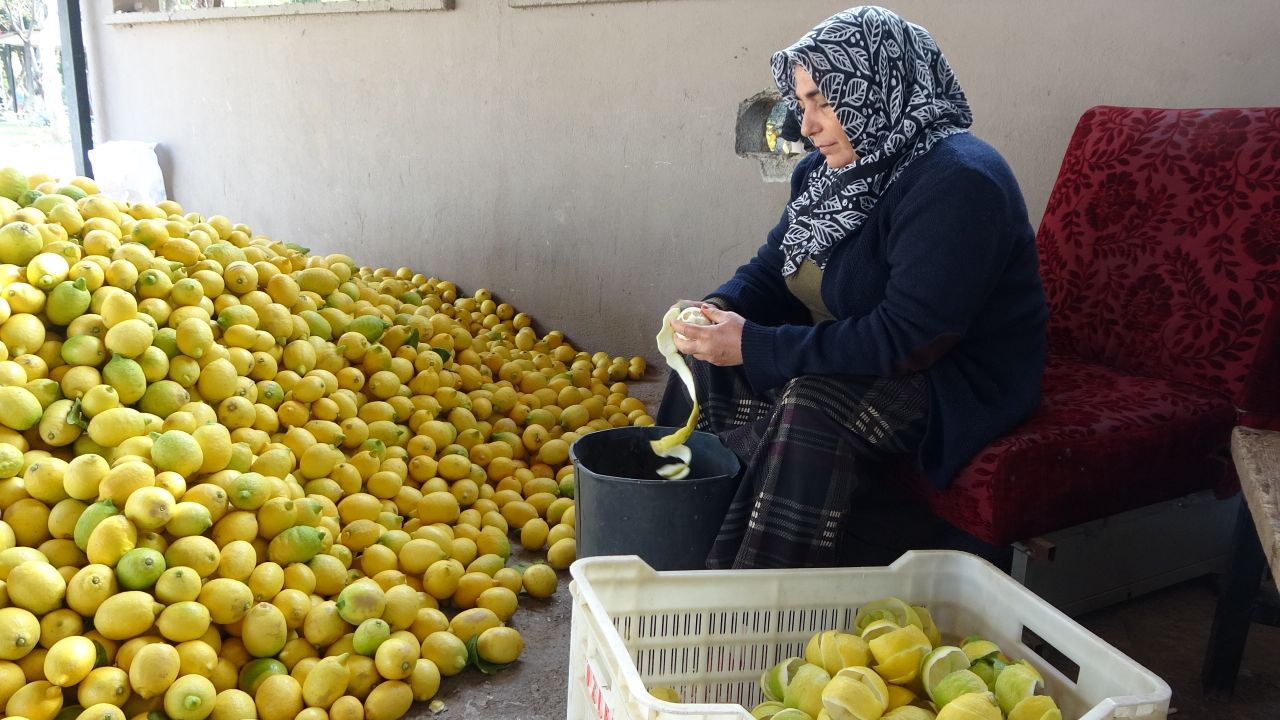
(973,706)
(977,650)
(663,447)
(908,712)
(1016,683)
(956,684)
(899,653)
(834,650)
(888,608)
(774,681)
(877,628)
(804,691)
(1036,707)
(940,663)
(767,709)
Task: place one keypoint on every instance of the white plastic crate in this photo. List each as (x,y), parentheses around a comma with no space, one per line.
(710,634)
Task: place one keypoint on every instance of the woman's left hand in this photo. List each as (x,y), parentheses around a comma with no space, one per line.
(719,344)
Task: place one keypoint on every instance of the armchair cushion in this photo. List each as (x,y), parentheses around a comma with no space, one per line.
(1102,442)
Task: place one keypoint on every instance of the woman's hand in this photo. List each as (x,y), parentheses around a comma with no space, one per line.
(719,343)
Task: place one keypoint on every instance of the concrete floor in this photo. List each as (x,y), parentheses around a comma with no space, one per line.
(1165,631)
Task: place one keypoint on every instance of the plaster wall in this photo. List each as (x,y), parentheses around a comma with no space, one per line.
(577,159)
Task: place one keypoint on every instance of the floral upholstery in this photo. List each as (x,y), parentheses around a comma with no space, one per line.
(1160,254)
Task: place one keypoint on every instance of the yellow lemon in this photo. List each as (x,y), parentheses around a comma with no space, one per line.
(36,586)
(89,587)
(190,697)
(19,633)
(154,669)
(126,615)
(70,660)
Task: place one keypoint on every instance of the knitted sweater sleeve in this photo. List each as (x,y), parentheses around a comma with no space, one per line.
(948,240)
(757,291)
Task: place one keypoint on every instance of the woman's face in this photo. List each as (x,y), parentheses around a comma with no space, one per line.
(820,124)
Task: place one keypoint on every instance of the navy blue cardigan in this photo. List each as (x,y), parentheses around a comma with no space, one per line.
(943,279)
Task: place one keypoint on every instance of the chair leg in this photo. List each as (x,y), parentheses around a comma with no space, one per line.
(1234,610)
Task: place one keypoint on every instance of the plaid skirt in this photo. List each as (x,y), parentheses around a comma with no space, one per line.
(808,450)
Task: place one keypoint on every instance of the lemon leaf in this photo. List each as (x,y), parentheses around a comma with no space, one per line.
(76,417)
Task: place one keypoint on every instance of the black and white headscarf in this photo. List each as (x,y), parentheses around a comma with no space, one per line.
(896,96)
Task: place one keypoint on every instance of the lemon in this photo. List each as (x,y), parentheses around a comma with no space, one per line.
(67,301)
(198,553)
(129,338)
(177,451)
(562,554)
(114,425)
(177,584)
(447,652)
(234,704)
(110,540)
(98,399)
(39,700)
(265,630)
(19,633)
(499,645)
(388,701)
(395,657)
(19,409)
(327,681)
(126,615)
(154,669)
(188,519)
(228,600)
(297,544)
(126,377)
(190,697)
(36,586)
(279,697)
(323,625)
(162,397)
(360,601)
(424,680)
(11,461)
(139,569)
(470,623)
(539,580)
(198,657)
(70,661)
(104,685)
(89,587)
(19,242)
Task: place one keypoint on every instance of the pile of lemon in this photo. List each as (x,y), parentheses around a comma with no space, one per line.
(241,481)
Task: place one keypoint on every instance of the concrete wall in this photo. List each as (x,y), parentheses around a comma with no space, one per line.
(578,159)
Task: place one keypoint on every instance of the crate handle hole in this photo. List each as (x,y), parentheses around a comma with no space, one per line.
(1051,655)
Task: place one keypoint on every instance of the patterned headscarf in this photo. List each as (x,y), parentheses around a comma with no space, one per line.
(896,96)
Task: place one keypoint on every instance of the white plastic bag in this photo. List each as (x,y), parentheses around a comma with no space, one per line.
(128,170)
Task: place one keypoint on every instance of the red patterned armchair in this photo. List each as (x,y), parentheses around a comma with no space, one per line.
(1160,253)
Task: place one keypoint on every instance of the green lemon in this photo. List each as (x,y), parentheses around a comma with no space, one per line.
(140,568)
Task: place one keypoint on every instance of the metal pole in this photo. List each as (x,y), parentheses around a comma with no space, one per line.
(76,84)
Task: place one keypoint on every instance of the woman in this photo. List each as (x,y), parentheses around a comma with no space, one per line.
(896,309)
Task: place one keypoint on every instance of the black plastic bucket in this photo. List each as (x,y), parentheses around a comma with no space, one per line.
(669,523)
